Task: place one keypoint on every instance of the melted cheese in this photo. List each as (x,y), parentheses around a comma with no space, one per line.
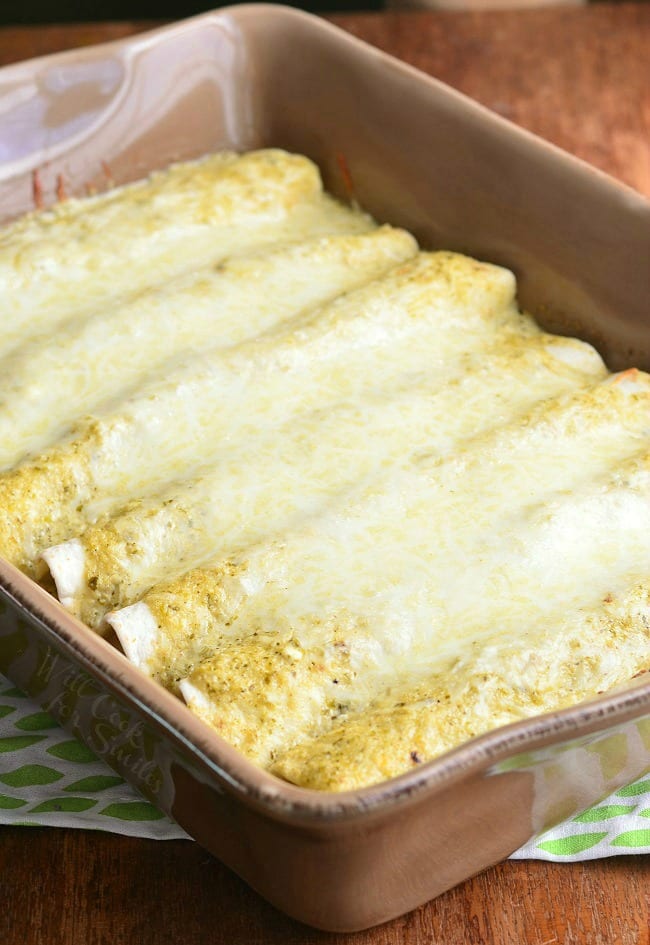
(416,589)
(240,499)
(590,650)
(107,352)
(62,262)
(364,338)
(338,493)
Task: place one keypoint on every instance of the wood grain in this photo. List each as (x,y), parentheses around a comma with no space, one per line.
(24,42)
(96,889)
(578,77)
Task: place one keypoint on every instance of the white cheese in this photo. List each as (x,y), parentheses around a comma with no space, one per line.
(359,508)
(259,487)
(62,262)
(106,353)
(403,322)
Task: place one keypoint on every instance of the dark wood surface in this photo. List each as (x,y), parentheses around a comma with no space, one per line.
(577,76)
(72,887)
(580,78)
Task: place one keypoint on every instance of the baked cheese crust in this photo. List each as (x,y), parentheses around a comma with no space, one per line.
(338,494)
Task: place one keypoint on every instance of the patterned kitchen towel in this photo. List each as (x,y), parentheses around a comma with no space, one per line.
(48,778)
(619,824)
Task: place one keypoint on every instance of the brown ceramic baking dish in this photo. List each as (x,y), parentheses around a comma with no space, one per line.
(424,157)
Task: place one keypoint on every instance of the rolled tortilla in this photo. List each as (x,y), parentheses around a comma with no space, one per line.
(395,325)
(47,382)
(270,690)
(397,552)
(84,253)
(262,486)
(56,263)
(266,692)
(584,654)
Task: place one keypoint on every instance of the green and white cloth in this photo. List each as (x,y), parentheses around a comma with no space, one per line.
(48,778)
(619,824)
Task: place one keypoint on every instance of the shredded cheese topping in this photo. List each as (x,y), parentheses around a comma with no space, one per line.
(339,494)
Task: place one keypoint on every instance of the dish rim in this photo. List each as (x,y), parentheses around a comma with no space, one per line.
(251,10)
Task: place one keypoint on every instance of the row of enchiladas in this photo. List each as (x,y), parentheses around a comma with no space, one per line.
(336,493)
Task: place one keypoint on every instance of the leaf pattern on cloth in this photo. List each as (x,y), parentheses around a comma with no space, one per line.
(48,778)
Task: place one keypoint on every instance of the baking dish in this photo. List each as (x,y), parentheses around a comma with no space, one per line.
(423,157)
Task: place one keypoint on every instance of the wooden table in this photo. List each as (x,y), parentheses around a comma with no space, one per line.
(580,78)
